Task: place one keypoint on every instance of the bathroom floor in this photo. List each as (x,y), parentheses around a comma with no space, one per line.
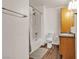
(52,53)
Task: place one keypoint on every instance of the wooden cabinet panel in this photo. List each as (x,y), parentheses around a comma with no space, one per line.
(67,20)
(67,47)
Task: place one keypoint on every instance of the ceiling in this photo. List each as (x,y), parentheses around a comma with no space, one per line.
(50,3)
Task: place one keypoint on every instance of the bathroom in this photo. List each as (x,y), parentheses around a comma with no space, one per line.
(39,29)
(50,27)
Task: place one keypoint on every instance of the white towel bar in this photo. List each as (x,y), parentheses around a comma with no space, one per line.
(10,12)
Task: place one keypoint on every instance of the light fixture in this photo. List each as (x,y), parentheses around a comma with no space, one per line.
(72,5)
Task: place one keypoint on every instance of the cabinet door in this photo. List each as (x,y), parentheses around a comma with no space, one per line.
(67,48)
(67,20)
(71,48)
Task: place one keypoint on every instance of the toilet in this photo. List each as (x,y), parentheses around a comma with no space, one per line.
(49,39)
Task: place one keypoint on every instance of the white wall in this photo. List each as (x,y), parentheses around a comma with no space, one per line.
(52,21)
(17,5)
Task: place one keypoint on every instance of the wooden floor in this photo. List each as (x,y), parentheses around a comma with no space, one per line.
(52,53)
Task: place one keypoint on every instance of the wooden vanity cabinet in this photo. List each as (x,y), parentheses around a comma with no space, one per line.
(67,47)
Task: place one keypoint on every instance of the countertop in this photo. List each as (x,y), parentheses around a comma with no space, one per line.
(67,35)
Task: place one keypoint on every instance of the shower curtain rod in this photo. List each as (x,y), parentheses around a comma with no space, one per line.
(22,15)
(35,9)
